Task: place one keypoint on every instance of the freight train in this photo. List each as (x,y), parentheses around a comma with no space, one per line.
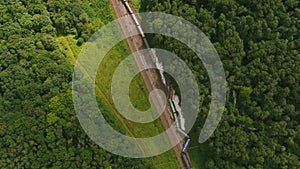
(173,108)
(139,28)
(134,18)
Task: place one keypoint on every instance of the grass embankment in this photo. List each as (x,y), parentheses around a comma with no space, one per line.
(198,152)
(138,95)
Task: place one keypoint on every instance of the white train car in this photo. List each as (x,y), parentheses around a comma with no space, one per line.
(137,23)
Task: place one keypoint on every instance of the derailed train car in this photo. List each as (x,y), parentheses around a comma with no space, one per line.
(186,161)
(171,103)
(186,144)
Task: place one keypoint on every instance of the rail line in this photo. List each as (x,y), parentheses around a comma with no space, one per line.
(134,46)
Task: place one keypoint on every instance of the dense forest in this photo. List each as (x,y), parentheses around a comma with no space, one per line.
(38,125)
(259,44)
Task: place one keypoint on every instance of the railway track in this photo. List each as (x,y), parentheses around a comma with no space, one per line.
(150,77)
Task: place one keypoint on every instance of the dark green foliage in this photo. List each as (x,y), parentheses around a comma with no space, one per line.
(38,125)
(258,42)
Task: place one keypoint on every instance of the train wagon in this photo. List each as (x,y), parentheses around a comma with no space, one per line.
(172,105)
(147,46)
(137,23)
(178,127)
(127,6)
(182,132)
(186,144)
(141,31)
(176,121)
(134,18)
(186,161)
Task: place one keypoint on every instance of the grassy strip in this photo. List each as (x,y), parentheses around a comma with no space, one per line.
(104,79)
(198,155)
(138,94)
(198,152)
(64,46)
(195,157)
